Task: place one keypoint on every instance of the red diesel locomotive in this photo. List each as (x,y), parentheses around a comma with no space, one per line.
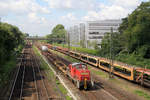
(80,75)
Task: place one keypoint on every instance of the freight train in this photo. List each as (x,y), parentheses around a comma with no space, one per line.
(77,72)
(131,73)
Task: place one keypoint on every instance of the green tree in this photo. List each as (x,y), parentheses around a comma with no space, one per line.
(112,42)
(124,25)
(59,33)
(11,39)
(137,33)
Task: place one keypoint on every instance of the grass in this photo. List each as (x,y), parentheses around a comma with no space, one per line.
(51,75)
(97,72)
(43,66)
(143,94)
(80,49)
(63,90)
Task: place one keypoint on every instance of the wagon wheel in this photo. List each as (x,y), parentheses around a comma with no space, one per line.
(78,84)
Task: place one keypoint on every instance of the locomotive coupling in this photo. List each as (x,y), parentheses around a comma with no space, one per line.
(85,83)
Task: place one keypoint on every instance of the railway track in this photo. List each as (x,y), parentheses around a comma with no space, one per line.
(100,91)
(42,90)
(92,94)
(52,85)
(30,82)
(29,89)
(18,80)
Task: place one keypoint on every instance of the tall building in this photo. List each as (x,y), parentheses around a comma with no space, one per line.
(71,35)
(74,35)
(92,31)
(82,34)
(95,30)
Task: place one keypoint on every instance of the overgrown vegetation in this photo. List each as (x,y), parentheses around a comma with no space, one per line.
(11,43)
(132,44)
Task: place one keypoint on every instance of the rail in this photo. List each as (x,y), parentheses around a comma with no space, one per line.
(43,83)
(16,77)
(35,82)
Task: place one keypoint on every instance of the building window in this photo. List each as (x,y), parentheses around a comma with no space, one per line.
(93,32)
(95,37)
(103,24)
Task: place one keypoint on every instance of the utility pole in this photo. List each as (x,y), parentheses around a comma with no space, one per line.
(68,41)
(111,55)
(64,41)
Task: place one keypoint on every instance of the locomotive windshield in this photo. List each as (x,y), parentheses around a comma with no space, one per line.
(80,66)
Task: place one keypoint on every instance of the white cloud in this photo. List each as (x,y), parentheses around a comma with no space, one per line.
(117,9)
(91,15)
(28,14)
(113,12)
(69,20)
(126,3)
(18,7)
(33,24)
(44,10)
(71,4)
(69,17)
(32,17)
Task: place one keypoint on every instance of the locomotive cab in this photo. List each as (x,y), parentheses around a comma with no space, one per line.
(81,75)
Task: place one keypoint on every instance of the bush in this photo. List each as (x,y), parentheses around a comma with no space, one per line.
(134,59)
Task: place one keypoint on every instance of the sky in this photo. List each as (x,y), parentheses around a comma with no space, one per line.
(39,17)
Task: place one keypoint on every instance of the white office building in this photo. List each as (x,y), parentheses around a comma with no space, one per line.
(92,31)
(95,30)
